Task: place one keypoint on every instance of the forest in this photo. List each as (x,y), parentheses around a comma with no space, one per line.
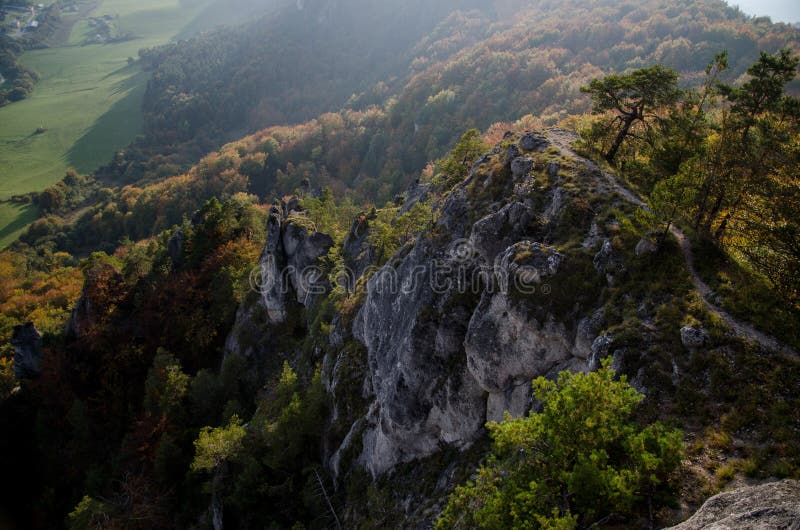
(367,138)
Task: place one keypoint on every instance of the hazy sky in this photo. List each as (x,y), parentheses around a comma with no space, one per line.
(777,10)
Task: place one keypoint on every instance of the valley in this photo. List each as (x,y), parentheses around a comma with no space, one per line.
(89,96)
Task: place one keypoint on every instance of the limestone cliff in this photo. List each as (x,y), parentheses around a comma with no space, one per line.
(506,285)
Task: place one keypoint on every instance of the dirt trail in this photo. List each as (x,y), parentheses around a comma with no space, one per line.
(563,140)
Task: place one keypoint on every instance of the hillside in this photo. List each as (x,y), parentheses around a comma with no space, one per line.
(86,103)
(490,62)
(465,264)
(405,373)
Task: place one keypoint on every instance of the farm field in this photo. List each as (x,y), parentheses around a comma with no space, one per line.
(88,99)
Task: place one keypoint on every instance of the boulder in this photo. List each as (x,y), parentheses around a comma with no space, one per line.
(608,262)
(512,153)
(533,141)
(601,348)
(645,246)
(770,506)
(520,166)
(525,264)
(692,337)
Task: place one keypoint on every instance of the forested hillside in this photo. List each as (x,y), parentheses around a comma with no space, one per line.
(354,235)
(433,72)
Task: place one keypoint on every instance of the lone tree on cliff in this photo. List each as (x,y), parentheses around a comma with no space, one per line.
(630,99)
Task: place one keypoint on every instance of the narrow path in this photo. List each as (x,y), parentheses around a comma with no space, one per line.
(563,140)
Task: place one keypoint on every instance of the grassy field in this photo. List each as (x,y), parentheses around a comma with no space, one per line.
(88,98)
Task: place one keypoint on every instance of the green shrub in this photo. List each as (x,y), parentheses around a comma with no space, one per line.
(580,459)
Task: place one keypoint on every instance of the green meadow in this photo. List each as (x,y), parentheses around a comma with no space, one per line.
(88,98)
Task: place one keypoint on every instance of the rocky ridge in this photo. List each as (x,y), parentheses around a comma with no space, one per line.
(505,286)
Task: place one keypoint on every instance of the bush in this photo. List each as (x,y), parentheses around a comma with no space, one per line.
(580,460)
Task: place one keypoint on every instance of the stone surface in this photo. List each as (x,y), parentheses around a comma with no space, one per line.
(608,262)
(773,506)
(645,246)
(533,141)
(423,394)
(506,346)
(495,232)
(271,283)
(601,348)
(520,166)
(356,250)
(27,343)
(693,337)
(553,168)
(290,261)
(175,249)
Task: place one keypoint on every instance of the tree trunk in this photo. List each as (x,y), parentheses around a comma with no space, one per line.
(701,208)
(216,503)
(720,231)
(713,213)
(627,123)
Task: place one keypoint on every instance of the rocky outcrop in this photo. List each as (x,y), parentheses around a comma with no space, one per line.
(693,338)
(771,506)
(645,246)
(289,263)
(289,277)
(455,329)
(506,344)
(27,343)
(303,247)
(533,141)
(451,331)
(357,251)
(272,262)
(520,166)
(608,262)
(423,394)
(175,249)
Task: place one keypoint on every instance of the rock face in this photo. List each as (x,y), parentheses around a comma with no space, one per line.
(175,249)
(506,345)
(520,166)
(766,507)
(608,262)
(455,330)
(27,343)
(422,397)
(356,251)
(450,332)
(289,261)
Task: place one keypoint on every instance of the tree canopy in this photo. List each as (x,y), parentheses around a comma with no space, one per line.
(581,459)
(631,99)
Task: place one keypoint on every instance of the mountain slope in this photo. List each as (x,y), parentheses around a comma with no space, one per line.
(437,71)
